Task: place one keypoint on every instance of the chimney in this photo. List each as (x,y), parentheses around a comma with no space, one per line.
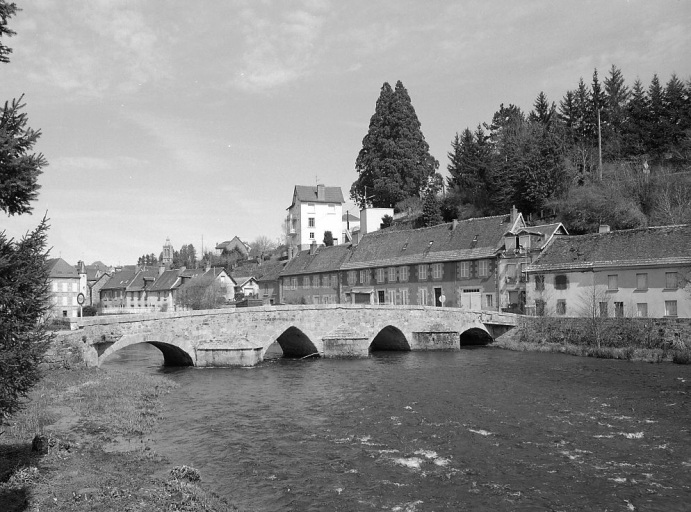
(320,192)
(514,214)
(604,228)
(313,247)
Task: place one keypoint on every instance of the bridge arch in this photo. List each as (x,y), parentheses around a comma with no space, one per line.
(296,343)
(175,352)
(389,338)
(475,336)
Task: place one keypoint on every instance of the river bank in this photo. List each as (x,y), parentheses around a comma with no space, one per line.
(624,338)
(96,456)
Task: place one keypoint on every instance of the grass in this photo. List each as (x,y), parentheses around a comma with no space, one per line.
(95,422)
(619,340)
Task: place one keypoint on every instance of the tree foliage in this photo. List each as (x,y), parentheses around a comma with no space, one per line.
(328,238)
(394,162)
(203,292)
(549,160)
(24,299)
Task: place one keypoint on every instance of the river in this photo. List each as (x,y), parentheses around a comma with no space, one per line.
(479,429)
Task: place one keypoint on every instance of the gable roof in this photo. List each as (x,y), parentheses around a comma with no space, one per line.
(120,280)
(631,247)
(324,259)
(166,281)
(235,243)
(59,268)
(461,240)
(307,194)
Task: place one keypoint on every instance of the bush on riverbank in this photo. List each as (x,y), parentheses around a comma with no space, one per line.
(94,421)
(609,338)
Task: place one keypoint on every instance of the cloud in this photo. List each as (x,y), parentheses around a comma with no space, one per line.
(278,48)
(91,48)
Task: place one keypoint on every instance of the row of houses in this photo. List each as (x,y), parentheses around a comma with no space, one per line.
(500,263)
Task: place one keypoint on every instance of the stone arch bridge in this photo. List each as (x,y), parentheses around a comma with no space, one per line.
(229,337)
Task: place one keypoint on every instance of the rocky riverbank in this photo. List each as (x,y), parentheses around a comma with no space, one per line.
(92,451)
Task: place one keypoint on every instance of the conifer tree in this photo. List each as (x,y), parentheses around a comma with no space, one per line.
(23,265)
(394,162)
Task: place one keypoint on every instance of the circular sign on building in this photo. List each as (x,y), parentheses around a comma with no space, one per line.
(80,299)
(442,299)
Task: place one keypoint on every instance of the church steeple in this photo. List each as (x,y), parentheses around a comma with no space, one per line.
(167,254)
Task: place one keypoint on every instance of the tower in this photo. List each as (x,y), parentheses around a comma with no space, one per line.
(167,254)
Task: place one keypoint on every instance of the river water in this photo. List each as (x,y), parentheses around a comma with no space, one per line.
(479,429)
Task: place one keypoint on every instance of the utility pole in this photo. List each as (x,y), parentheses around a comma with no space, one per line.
(599,142)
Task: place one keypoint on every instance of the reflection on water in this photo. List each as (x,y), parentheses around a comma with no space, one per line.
(480,429)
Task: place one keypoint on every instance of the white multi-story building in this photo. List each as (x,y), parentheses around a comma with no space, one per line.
(314,211)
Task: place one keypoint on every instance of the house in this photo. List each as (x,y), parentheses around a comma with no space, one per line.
(313,276)
(95,280)
(313,211)
(206,289)
(161,294)
(127,290)
(247,286)
(521,248)
(234,246)
(636,272)
(454,264)
(65,283)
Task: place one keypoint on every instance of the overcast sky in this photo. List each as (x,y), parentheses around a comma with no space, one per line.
(196,119)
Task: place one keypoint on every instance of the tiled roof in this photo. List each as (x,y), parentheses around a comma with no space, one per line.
(120,280)
(59,268)
(307,194)
(469,239)
(270,272)
(643,246)
(325,259)
(140,283)
(168,280)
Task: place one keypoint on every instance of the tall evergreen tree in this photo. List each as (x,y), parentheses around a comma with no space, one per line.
(394,162)
(23,265)
(658,126)
(676,102)
(637,123)
(543,112)
(616,97)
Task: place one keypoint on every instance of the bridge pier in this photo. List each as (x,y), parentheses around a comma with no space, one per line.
(345,342)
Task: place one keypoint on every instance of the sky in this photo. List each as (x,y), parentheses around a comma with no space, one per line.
(194,121)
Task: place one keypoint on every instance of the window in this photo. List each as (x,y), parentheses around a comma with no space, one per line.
(539,282)
(381,296)
(392,296)
(334,281)
(422,272)
(604,309)
(641,281)
(540,307)
(464,269)
(561,282)
(422,296)
(310,222)
(310,208)
(294,283)
(671,307)
(671,281)
(64,301)
(613,282)
(489,300)
(404,296)
(642,309)
(64,287)
(325,280)
(306,282)
(55,286)
(483,268)
(618,309)
(561,307)
(510,273)
(311,235)
(315,281)
(524,242)
(391,274)
(74,287)
(403,274)
(315,299)
(437,270)
(352,277)
(364,276)
(381,275)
